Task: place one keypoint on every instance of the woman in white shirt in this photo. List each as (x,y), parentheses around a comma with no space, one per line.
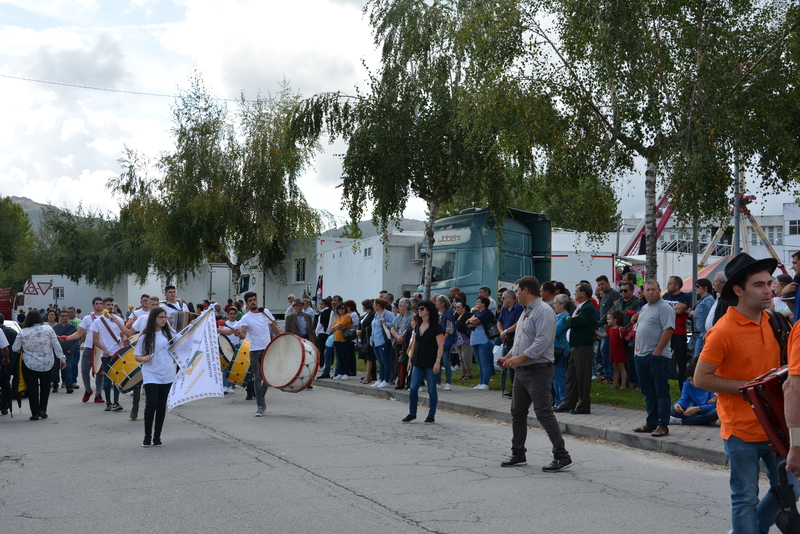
(158,372)
(39,343)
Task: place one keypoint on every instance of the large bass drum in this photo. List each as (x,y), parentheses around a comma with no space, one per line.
(290,363)
(124,370)
(240,372)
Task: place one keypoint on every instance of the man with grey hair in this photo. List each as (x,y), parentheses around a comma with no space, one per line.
(290,309)
(486,291)
(719,282)
(654,329)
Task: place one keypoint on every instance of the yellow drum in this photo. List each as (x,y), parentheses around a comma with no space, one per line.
(124,370)
(226,351)
(240,372)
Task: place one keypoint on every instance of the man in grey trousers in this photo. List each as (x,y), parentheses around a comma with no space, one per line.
(532,357)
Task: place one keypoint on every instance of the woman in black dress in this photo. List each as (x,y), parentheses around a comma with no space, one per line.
(425,354)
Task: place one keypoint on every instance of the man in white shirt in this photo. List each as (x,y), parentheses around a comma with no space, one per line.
(256,326)
(107,335)
(88,352)
(144,309)
(173,306)
(290,309)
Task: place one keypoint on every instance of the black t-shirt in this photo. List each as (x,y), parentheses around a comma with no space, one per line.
(427,345)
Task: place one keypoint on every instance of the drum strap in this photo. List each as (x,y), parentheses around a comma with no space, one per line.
(173,307)
(781,328)
(114,337)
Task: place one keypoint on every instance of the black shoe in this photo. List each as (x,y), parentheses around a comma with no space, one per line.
(157,442)
(310,387)
(557,465)
(249,397)
(409,418)
(55,389)
(508,395)
(399,387)
(323,376)
(146,441)
(108,407)
(69,390)
(430,419)
(561,409)
(514,461)
(583,412)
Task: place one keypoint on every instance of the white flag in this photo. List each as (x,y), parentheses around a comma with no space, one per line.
(197,355)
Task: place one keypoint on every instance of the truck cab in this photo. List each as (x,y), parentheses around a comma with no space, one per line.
(470,250)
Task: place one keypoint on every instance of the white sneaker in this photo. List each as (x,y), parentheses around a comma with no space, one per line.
(476,387)
(447,387)
(377,384)
(337,377)
(420,389)
(456,368)
(438,386)
(483,387)
(260,412)
(345,377)
(675,421)
(383,384)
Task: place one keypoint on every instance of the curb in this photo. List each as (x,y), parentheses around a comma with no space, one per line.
(582,430)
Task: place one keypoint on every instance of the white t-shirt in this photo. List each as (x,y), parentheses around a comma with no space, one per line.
(258,330)
(232,325)
(138,313)
(105,337)
(140,322)
(86,324)
(178,306)
(161,369)
(3,340)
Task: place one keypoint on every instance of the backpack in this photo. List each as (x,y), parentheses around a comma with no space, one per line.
(781,328)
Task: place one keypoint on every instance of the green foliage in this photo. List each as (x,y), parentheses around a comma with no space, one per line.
(19,257)
(228,191)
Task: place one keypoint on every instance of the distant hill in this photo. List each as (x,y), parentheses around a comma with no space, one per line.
(33,209)
(369,230)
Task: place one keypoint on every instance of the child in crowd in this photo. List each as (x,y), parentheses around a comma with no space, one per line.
(619,353)
(696,406)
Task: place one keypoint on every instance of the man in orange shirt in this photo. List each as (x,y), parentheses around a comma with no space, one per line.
(740,347)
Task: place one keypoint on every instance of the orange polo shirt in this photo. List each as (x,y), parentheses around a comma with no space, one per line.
(793,352)
(742,350)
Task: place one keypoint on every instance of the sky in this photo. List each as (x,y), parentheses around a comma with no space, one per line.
(61,144)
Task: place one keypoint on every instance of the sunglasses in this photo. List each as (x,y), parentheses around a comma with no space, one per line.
(624,290)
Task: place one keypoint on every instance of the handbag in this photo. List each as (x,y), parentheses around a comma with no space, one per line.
(491,331)
(349,333)
(329,341)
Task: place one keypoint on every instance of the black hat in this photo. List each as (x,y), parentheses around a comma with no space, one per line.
(739,266)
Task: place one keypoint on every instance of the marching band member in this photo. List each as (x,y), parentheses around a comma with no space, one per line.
(88,353)
(107,335)
(158,373)
(256,325)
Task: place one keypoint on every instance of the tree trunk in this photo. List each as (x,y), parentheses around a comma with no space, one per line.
(650,237)
(433,210)
(236,274)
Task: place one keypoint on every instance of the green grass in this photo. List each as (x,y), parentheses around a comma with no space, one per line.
(601,393)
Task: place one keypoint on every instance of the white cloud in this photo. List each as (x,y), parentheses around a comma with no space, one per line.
(71,127)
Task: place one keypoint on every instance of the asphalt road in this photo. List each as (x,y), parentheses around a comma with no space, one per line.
(331,461)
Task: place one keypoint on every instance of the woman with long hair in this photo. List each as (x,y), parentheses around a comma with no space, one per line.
(39,343)
(425,354)
(705,300)
(463,347)
(365,351)
(158,372)
(342,347)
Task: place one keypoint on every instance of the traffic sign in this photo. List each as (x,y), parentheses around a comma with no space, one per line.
(30,289)
(44,287)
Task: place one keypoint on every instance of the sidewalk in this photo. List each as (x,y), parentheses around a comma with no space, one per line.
(605,422)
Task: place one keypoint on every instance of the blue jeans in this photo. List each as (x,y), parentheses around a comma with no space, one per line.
(653,374)
(483,354)
(605,352)
(448,369)
(73,358)
(107,382)
(326,370)
(699,343)
(417,374)
(384,357)
(560,379)
(705,418)
(748,514)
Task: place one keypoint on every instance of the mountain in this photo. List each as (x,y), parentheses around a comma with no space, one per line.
(369,230)
(33,209)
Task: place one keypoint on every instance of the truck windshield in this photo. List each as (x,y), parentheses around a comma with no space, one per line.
(443,266)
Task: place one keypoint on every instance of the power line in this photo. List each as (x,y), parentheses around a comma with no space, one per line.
(106,89)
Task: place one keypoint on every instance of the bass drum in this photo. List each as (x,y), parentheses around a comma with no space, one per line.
(240,373)
(226,351)
(124,370)
(290,363)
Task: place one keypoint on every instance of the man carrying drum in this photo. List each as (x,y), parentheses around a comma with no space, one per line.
(740,347)
(108,337)
(256,325)
(173,306)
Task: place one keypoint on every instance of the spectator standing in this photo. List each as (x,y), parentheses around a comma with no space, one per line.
(510,313)
(581,329)
(68,348)
(425,353)
(462,338)
(681,304)
(655,326)
(610,297)
(381,341)
(563,307)
(705,292)
(447,320)
(38,343)
(479,325)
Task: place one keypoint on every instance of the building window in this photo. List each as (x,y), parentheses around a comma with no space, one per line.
(58,293)
(300,270)
(779,235)
(771,234)
(753,237)
(368,252)
(794,227)
(244,283)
